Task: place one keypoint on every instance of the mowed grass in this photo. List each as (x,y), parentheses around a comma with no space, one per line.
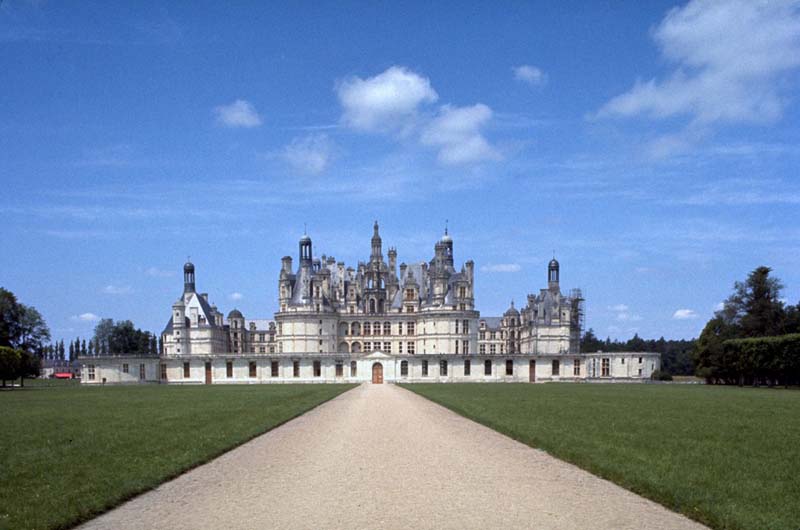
(727,457)
(69,453)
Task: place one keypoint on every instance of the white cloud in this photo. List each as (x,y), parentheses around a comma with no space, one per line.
(720,306)
(684,314)
(501,267)
(386,102)
(456,132)
(729,59)
(624,314)
(85,317)
(310,154)
(530,74)
(117,289)
(240,113)
(235,296)
(158,273)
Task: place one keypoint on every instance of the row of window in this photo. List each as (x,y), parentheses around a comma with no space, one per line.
(356,328)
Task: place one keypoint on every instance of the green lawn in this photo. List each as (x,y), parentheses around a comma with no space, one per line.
(728,457)
(69,453)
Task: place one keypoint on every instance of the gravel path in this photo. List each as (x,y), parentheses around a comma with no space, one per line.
(379,456)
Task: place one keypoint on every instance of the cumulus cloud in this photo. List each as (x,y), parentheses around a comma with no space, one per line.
(85,317)
(729,61)
(235,296)
(720,306)
(117,289)
(684,314)
(456,132)
(388,101)
(501,267)
(529,74)
(240,113)
(310,154)
(618,307)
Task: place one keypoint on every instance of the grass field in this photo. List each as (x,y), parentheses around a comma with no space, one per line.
(68,453)
(727,457)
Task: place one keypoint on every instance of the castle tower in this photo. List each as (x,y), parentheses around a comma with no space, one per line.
(305,251)
(188,277)
(552,275)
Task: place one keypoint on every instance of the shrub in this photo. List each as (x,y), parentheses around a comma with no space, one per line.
(658,375)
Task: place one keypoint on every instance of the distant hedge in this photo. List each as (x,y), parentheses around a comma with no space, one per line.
(771,360)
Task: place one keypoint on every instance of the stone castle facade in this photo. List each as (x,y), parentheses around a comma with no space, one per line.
(375,322)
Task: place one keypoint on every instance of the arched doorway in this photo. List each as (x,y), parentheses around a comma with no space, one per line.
(377,374)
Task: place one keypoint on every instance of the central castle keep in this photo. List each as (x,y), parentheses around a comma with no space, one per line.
(378,321)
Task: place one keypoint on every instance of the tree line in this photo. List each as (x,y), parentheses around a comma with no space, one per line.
(25,340)
(23,336)
(753,339)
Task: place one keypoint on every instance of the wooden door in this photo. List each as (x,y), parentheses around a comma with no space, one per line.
(532,373)
(377,373)
(208,373)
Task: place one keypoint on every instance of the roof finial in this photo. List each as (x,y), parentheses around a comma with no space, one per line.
(446,222)
(305,228)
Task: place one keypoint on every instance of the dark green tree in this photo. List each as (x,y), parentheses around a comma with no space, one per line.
(590,343)
(10,316)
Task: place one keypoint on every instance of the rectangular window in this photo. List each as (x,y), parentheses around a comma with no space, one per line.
(142,373)
(339,369)
(442,367)
(622,360)
(604,367)
(640,360)
(556,367)
(367,346)
(252,369)
(399,347)
(404,369)
(424,368)
(317,369)
(456,326)
(411,348)
(91,372)
(387,328)
(273,367)
(353,368)
(410,327)
(367,328)
(492,349)
(467,367)
(262,349)
(399,328)
(163,371)
(482,349)
(576,367)
(456,346)
(272,349)
(493,335)
(125,368)
(229,369)
(260,337)
(640,371)
(465,327)
(465,345)
(387,347)
(295,368)
(482,335)
(509,367)
(186,371)
(487,367)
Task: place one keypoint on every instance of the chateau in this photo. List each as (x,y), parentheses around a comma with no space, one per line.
(377,322)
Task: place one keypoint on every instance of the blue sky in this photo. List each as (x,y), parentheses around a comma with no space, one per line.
(653,146)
